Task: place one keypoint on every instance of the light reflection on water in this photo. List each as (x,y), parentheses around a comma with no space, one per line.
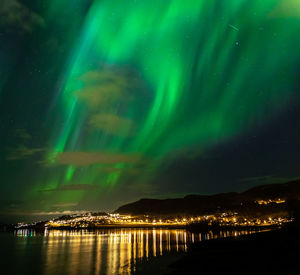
(107,251)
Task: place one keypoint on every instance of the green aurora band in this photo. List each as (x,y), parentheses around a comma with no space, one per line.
(150,78)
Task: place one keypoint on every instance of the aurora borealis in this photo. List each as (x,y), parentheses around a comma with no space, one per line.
(104,102)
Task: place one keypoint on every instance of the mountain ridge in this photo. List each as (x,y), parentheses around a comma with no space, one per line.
(199,204)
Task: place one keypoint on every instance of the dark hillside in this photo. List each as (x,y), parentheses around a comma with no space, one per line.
(199,204)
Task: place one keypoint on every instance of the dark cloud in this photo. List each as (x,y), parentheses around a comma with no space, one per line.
(104,88)
(73,187)
(99,95)
(23,152)
(115,76)
(127,170)
(79,187)
(11,203)
(49,213)
(111,170)
(22,134)
(89,158)
(16,17)
(113,124)
(66,204)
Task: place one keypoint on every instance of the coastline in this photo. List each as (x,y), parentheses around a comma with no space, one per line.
(270,252)
(266,252)
(189,227)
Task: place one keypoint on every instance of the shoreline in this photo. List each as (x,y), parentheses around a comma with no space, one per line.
(264,252)
(193,228)
(268,252)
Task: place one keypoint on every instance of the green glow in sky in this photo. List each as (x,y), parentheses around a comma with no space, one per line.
(146,79)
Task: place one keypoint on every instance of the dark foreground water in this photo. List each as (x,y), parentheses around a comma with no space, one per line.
(107,251)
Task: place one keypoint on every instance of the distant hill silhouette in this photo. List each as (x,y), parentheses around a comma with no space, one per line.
(200,204)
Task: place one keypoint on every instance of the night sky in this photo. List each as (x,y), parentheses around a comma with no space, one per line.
(105,102)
